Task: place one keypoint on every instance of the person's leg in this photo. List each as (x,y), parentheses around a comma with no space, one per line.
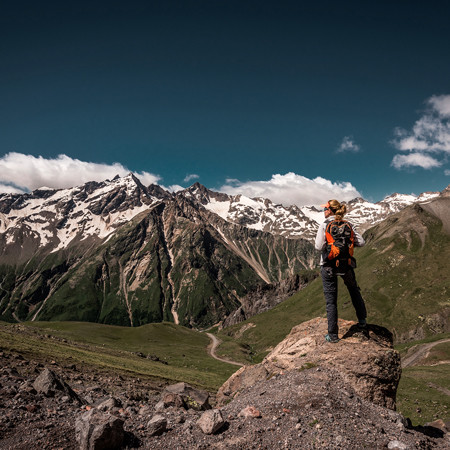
(355,294)
(330,291)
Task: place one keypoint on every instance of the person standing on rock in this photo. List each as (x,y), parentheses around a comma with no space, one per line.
(335,240)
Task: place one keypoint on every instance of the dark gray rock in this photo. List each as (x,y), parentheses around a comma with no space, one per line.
(157,425)
(109,403)
(49,384)
(96,430)
(211,421)
(184,395)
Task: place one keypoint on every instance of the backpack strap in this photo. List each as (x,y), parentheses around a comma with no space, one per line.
(334,251)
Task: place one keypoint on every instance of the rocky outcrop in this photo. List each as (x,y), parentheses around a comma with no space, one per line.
(308,408)
(367,362)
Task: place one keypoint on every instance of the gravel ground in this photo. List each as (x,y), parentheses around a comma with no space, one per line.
(307,409)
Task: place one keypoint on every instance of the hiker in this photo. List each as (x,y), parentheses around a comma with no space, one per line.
(335,239)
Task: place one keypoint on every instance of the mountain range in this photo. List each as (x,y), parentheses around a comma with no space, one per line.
(123,253)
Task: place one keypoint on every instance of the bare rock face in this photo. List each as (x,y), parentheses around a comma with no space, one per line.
(266,297)
(99,431)
(367,362)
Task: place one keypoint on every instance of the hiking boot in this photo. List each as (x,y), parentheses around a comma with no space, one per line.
(362,324)
(331,339)
(362,330)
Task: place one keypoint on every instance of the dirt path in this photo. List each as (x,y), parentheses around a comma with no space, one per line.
(418,352)
(212,351)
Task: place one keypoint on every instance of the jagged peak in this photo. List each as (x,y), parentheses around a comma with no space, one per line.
(157,191)
(446,191)
(203,194)
(356,200)
(197,187)
(132,177)
(129,180)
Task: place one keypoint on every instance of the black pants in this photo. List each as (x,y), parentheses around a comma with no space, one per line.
(330,290)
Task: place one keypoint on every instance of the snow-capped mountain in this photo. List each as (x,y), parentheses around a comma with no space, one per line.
(121,253)
(255,213)
(292,221)
(364,214)
(57,217)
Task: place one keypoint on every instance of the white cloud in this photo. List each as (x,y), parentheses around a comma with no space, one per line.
(27,172)
(441,103)
(429,135)
(293,189)
(348,145)
(415,159)
(447,172)
(174,188)
(191,177)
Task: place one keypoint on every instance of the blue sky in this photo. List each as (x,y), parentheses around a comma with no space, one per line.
(262,97)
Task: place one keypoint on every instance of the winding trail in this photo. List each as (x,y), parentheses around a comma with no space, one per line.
(418,352)
(212,351)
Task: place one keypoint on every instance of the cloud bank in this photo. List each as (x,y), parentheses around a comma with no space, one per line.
(428,142)
(348,145)
(293,189)
(21,173)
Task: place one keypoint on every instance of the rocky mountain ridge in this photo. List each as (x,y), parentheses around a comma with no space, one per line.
(55,218)
(118,252)
(292,221)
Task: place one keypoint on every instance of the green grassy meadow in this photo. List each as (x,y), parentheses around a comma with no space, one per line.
(115,349)
(424,391)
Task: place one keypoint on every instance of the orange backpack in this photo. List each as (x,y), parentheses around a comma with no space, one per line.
(340,243)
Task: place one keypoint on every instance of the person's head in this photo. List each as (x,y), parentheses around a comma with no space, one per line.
(334,208)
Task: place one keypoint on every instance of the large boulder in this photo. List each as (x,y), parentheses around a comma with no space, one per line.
(157,425)
(182,395)
(49,384)
(367,361)
(211,421)
(96,430)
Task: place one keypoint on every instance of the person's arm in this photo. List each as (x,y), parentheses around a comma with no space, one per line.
(359,240)
(320,237)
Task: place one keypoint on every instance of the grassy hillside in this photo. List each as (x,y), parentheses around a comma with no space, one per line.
(424,390)
(121,349)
